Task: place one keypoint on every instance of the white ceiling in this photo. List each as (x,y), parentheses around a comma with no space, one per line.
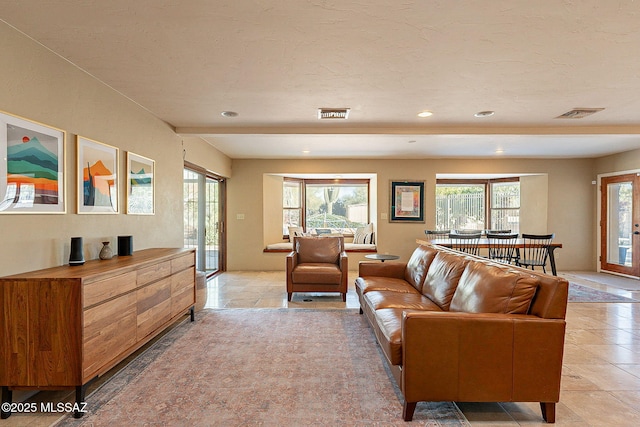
(276,62)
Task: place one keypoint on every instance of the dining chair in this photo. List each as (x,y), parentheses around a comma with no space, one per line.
(467,231)
(535,250)
(502,246)
(437,234)
(466,242)
(487,232)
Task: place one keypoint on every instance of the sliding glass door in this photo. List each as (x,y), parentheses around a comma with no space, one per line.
(620,231)
(203,218)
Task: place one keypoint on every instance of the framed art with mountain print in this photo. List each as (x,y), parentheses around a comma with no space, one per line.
(97,177)
(32,165)
(140,185)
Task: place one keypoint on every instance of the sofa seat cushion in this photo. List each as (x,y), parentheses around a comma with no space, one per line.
(485,288)
(390,299)
(389,333)
(366,284)
(312,272)
(442,278)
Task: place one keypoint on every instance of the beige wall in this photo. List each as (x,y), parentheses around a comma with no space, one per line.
(629,161)
(199,152)
(40,86)
(567,184)
(534,207)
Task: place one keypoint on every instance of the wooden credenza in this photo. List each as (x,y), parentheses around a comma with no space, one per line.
(61,327)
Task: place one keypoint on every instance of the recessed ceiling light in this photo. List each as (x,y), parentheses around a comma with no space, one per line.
(499,151)
(425,114)
(487,113)
(306,151)
(229,114)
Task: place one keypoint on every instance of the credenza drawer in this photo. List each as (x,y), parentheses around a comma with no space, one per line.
(153,306)
(183,262)
(102,290)
(153,273)
(182,291)
(109,329)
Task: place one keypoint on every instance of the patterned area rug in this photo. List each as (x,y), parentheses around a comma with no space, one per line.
(260,367)
(579,293)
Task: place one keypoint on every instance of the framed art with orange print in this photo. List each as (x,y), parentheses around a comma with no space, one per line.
(32,165)
(407,201)
(97,177)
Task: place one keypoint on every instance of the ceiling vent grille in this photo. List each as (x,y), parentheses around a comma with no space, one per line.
(578,113)
(333,113)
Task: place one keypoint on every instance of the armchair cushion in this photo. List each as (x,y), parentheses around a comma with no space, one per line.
(313,272)
(318,250)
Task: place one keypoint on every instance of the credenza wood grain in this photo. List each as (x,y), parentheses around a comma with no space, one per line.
(102,290)
(109,329)
(63,326)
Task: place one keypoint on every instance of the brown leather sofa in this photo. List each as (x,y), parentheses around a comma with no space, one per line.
(317,264)
(455,327)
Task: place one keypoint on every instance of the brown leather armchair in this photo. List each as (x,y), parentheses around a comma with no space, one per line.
(317,264)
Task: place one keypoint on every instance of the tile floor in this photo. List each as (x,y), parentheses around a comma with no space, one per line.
(601,375)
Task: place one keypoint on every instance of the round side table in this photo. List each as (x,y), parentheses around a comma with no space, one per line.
(382,257)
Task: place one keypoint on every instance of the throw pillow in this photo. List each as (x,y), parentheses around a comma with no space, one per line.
(296,232)
(364,235)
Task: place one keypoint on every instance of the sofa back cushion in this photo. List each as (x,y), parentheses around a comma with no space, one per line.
(488,288)
(318,249)
(443,276)
(418,265)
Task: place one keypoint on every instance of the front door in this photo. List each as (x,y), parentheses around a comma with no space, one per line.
(620,224)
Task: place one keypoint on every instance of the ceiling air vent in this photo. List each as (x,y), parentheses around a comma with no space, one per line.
(578,113)
(333,113)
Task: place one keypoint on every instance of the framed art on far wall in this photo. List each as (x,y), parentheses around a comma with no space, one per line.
(97,177)
(407,201)
(32,165)
(140,185)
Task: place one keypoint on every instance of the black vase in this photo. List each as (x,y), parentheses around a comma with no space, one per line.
(76,256)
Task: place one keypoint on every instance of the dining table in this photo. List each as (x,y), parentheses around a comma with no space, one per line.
(483,243)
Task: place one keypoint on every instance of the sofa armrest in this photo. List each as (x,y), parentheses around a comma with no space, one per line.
(382,269)
(478,357)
